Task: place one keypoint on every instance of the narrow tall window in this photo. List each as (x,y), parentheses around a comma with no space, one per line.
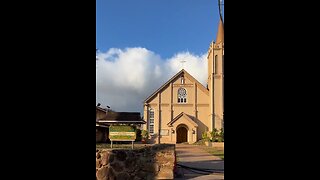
(222,64)
(182,79)
(151,121)
(216,64)
(182,95)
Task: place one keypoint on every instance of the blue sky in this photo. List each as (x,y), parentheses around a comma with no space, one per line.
(142,43)
(164,26)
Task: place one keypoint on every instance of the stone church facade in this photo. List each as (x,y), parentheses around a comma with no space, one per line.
(182,108)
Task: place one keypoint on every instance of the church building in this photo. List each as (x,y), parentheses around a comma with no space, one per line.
(182,108)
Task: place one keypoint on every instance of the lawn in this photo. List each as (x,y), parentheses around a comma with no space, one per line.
(216,151)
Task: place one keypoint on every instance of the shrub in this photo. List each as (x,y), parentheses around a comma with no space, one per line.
(214,135)
(144,134)
(220,139)
(221,134)
(205,136)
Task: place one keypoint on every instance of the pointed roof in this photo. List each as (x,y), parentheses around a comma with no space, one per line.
(173,78)
(182,114)
(220,33)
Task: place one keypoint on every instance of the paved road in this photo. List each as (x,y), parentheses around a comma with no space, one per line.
(194,156)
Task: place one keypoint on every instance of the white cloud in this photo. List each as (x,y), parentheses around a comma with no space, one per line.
(126,77)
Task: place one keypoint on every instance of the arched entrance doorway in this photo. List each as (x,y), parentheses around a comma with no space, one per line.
(182,134)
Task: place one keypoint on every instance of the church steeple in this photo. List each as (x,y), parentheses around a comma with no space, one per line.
(216,77)
(220,34)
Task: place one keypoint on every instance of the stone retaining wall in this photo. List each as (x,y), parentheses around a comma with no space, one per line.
(149,163)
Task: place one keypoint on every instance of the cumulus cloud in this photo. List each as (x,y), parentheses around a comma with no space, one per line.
(126,77)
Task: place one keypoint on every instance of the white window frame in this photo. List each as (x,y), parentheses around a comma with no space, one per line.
(182,99)
(151,122)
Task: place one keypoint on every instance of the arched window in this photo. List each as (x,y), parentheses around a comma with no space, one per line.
(182,95)
(151,121)
(216,64)
(182,79)
(222,64)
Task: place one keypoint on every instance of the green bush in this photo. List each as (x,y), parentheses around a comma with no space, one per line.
(220,139)
(217,135)
(214,135)
(205,136)
(222,134)
(145,134)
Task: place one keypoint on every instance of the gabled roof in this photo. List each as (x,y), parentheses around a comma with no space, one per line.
(182,114)
(173,78)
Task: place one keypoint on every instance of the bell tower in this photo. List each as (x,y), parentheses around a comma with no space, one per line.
(216,78)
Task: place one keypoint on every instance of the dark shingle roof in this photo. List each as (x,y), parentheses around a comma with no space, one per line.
(122,116)
(118,117)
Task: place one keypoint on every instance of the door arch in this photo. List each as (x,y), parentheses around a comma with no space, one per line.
(182,134)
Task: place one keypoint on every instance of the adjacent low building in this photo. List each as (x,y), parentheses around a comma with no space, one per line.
(105,118)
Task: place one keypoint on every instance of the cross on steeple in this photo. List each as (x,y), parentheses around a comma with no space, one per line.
(182,61)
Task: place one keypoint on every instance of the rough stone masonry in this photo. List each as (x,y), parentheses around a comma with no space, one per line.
(147,163)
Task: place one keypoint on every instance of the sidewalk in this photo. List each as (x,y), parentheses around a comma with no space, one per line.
(194,156)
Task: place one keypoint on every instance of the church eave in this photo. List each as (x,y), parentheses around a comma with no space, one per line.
(163,86)
(170,124)
(173,78)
